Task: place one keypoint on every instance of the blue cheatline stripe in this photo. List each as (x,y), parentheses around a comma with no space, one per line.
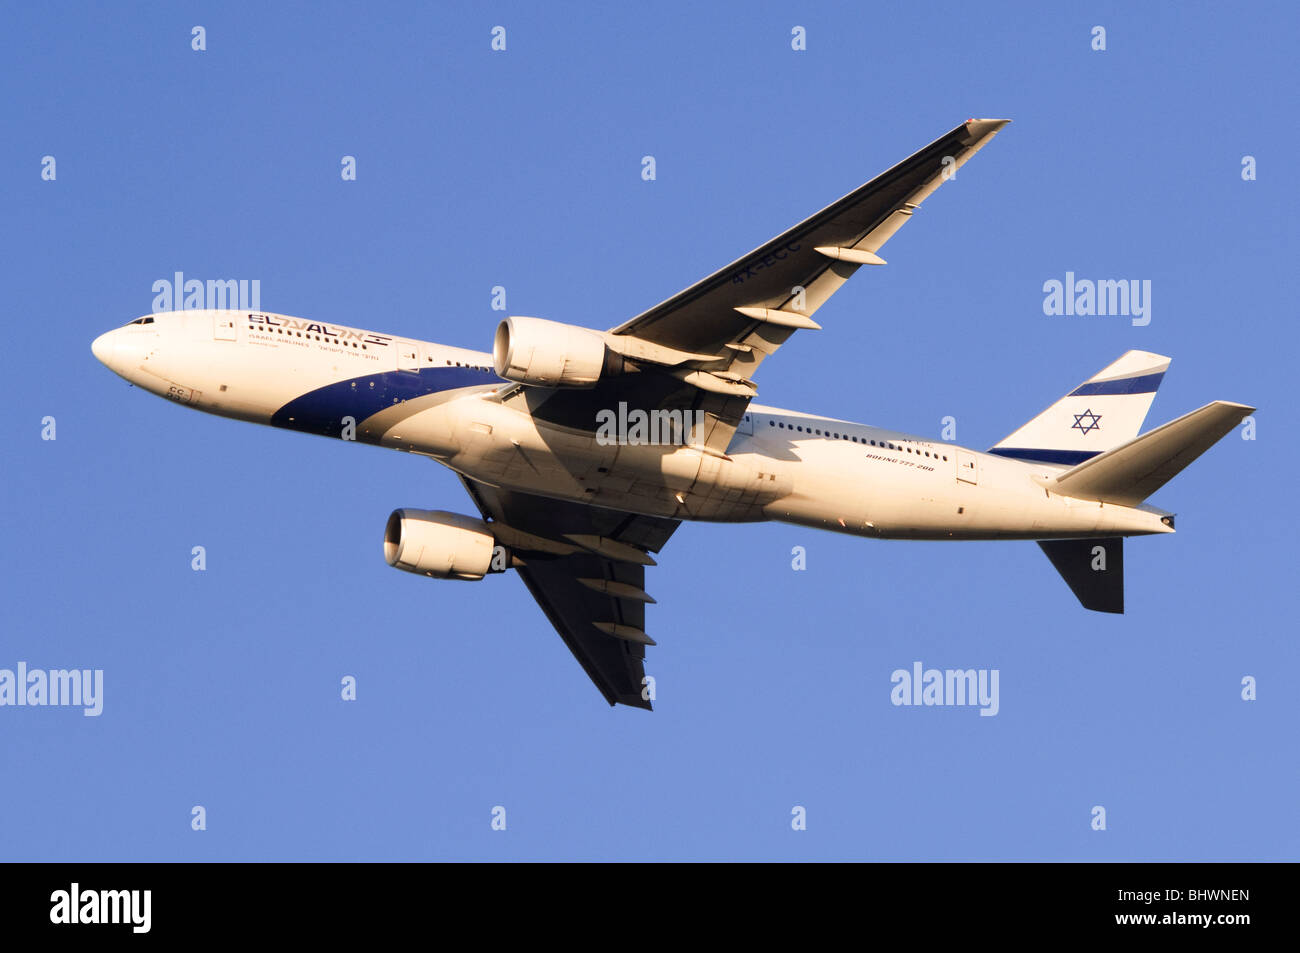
(1070,457)
(322,410)
(1146,384)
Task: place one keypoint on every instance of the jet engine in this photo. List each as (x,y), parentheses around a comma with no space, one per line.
(442,545)
(550,354)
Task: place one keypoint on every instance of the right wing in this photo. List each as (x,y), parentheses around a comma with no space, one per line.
(585,566)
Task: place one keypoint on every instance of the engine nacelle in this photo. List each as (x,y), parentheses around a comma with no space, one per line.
(550,354)
(439,544)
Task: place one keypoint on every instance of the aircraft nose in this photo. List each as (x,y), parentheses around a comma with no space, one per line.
(103,347)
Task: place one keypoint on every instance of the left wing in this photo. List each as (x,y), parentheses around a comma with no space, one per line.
(745,311)
(585,566)
(713,335)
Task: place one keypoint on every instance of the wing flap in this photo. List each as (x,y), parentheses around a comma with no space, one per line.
(615,665)
(585,566)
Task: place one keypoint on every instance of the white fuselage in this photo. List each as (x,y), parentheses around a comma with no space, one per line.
(447,403)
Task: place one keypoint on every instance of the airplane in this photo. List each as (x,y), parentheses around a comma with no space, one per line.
(583,450)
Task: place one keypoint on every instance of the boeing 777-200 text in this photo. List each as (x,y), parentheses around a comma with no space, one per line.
(583,450)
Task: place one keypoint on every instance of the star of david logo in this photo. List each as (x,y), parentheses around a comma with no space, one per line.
(1086,421)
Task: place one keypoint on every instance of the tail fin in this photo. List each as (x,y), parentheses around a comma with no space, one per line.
(1103,412)
(1093,568)
(1130,473)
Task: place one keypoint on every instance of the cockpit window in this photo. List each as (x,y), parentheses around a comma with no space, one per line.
(148,319)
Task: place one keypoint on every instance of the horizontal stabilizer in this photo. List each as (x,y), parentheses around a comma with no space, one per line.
(1133,471)
(1093,569)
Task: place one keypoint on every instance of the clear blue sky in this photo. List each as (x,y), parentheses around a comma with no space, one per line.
(522,169)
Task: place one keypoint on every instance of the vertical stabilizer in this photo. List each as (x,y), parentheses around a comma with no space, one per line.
(1103,412)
